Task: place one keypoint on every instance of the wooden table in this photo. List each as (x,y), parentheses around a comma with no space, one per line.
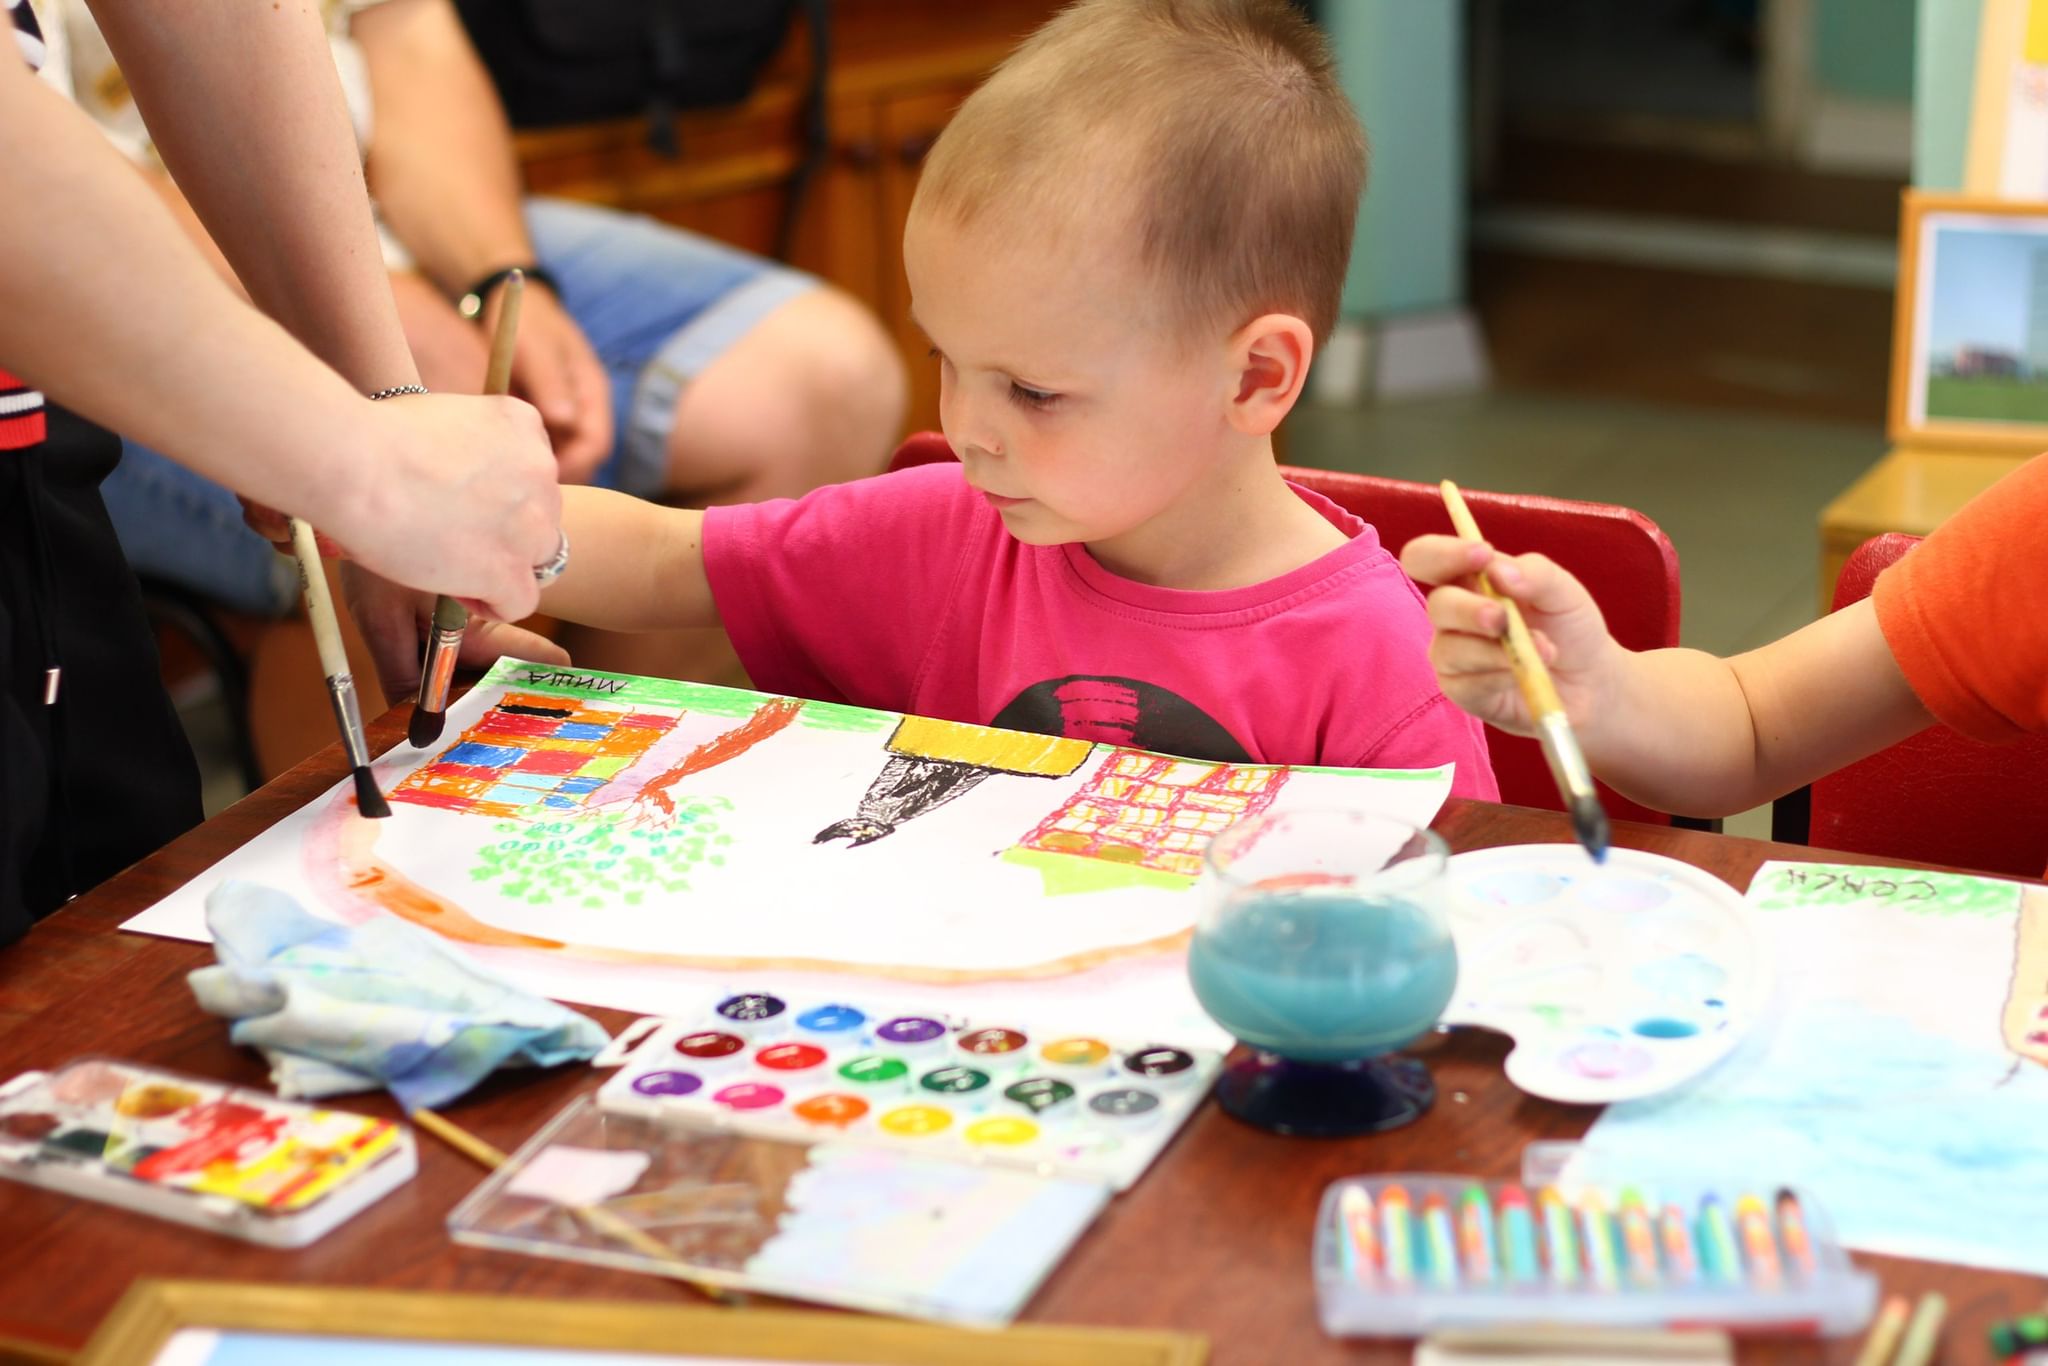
(1214,1240)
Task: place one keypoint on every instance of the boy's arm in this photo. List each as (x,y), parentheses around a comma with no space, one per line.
(633,565)
(1679,730)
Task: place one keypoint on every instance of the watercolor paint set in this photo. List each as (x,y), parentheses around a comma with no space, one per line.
(235,1161)
(849,1224)
(1059,1103)
(1616,981)
(1402,1255)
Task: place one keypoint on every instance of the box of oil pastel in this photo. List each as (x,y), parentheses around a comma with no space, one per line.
(1401,1255)
(198,1152)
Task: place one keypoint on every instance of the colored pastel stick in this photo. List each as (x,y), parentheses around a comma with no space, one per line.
(1397,1235)
(1793,1234)
(1440,1240)
(1603,1267)
(1559,1235)
(1923,1332)
(1475,1236)
(1718,1259)
(1638,1238)
(1681,1264)
(1518,1256)
(1885,1333)
(1759,1246)
(1358,1240)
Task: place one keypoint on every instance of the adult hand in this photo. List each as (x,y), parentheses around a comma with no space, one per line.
(556,371)
(393,621)
(456,495)
(1471,663)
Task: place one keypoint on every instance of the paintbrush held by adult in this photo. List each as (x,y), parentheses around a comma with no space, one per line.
(1546,710)
(444,641)
(341,684)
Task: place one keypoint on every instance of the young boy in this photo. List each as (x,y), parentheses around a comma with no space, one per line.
(1949,634)
(1124,249)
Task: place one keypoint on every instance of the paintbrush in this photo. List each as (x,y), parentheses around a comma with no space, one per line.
(1560,747)
(444,642)
(602,1222)
(341,684)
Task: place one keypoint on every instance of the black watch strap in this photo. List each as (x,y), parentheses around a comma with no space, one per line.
(471,304)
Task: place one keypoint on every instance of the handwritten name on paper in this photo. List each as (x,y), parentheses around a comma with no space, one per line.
(1789,886)
(563,678)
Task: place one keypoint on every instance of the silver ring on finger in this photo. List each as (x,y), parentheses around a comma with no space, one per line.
(550,570)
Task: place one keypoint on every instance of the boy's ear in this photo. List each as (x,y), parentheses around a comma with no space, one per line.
(1271,355)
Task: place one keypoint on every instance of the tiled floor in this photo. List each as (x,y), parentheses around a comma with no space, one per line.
(1737,493)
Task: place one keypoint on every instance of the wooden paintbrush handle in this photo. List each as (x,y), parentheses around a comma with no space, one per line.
(1530,675)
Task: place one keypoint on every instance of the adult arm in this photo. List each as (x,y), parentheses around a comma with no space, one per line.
(443,170)
(106,306)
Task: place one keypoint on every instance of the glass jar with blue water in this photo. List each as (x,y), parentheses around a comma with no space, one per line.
(1323,944)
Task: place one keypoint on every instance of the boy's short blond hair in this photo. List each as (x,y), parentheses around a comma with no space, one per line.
(1213,132)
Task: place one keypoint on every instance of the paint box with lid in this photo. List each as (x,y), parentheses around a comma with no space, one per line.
(1405,1254)
(1058,1102)
(197,1152)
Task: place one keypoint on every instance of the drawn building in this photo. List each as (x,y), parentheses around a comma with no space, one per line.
(1150,811)
(532,748)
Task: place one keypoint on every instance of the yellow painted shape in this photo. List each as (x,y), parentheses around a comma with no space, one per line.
(1005,751)
(2036,48)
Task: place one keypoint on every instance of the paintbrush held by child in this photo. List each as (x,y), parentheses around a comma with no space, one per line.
(1125,250)
(1950,634)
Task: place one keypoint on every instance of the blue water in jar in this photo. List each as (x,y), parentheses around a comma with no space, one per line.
(1321,976)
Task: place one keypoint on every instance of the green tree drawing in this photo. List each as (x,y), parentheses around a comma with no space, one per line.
(598,859)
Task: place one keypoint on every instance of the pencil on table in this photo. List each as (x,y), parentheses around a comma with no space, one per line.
(1884,1333)
(451,618)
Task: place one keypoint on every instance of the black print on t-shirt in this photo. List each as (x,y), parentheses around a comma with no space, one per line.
(1121,711)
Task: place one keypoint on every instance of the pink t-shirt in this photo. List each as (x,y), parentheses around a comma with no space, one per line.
(905,593)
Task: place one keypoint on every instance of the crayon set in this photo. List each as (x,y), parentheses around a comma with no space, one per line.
(1408,1254)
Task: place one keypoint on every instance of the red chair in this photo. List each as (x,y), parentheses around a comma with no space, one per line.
(1620,555)
(1939,797)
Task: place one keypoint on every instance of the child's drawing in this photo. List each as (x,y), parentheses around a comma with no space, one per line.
(932,762)
(1904,1080)
(629,841)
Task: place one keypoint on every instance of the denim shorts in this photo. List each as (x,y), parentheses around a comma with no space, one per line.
(658,304)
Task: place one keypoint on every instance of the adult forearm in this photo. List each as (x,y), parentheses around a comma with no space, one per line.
(111,310)
(441,162)
(245,108)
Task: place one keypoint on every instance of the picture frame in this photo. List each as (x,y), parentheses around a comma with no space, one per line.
(1970,329)
(220,1323)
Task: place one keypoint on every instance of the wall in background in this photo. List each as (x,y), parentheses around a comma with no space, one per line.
(1402,65)
(1944,69)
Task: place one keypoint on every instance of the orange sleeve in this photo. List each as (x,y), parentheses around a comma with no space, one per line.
(1968,632)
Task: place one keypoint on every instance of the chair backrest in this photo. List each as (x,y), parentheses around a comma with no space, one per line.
(1939,797)
(1621,556)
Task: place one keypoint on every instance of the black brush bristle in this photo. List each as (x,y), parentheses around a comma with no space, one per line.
(425,727)
(1589,824)
(369,800)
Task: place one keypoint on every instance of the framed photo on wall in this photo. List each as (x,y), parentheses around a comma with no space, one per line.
(217,1323)
(1970,339)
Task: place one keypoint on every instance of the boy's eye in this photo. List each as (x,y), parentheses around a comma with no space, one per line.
(1031,398)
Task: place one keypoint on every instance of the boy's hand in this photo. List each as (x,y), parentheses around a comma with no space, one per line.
(393,620)
(1470,662)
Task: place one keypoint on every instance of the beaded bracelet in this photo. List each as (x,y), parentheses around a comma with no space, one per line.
(397,389)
